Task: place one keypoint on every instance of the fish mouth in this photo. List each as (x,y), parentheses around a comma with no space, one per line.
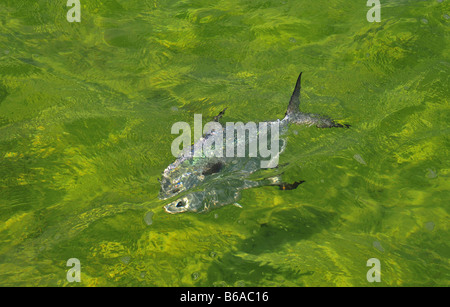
(174,210)
(163,194)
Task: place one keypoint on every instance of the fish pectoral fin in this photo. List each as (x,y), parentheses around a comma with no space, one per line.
(290,186)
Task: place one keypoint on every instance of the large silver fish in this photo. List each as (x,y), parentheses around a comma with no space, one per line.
(203,183)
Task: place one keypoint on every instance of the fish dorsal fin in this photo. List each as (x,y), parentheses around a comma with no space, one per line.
(294,103)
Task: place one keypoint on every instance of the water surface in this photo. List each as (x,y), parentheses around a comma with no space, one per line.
(85,116)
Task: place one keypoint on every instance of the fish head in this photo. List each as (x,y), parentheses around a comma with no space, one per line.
(182,178)
(192,202)
(170,187)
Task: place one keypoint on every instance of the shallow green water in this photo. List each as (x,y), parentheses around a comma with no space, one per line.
(85,116)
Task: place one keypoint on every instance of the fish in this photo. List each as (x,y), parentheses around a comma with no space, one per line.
(207,182)
(218,195)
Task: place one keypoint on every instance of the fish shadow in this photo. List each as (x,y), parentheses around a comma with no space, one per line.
(283,226)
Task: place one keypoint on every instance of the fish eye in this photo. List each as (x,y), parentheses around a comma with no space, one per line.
(180,204)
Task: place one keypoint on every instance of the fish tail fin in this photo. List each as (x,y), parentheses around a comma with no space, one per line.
(294,115)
